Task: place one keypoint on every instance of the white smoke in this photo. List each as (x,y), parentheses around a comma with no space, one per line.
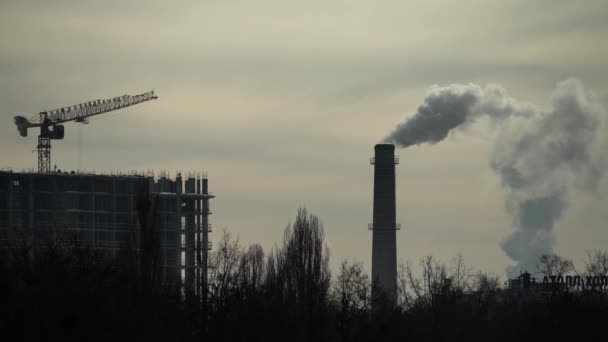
(538,154)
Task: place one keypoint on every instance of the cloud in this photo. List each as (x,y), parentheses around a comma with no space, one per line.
(538,154)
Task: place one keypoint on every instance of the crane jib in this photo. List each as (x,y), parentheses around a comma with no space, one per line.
(49,121)
(81,111)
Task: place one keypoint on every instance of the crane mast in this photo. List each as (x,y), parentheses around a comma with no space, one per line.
(50,121)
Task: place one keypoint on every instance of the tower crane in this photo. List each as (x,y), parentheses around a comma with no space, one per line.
(50,121)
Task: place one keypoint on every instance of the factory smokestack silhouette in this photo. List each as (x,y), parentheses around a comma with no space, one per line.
(384,243)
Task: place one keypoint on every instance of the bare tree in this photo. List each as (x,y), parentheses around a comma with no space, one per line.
(352,289)
(224,270)
(596,263)
(405,298)
(351,295)
(305,260)
(596,266)
(484,282)
(274,277)
(298,276)
(433,283)
(252,268)
(437,281)
(554,265)
(460,275)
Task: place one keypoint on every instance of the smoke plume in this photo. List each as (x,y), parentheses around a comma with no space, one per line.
(538,154)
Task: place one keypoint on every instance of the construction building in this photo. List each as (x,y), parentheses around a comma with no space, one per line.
(100,211)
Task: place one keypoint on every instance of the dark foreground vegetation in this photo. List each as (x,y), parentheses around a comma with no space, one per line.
(70,292)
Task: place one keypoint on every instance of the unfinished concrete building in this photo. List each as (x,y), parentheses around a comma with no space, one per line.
(100,211)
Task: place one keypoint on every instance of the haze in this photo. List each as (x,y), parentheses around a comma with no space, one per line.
(281,103)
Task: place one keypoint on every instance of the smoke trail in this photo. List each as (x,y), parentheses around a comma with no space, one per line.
(538,154)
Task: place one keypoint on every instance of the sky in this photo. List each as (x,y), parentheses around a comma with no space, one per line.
(281,103)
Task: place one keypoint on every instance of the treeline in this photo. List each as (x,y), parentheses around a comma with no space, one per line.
(69,291)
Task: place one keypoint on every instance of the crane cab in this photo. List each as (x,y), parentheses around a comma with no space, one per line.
(58,132)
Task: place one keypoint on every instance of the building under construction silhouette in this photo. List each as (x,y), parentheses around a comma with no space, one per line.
(99,211)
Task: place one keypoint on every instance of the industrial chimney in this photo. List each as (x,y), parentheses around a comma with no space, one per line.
(384,244)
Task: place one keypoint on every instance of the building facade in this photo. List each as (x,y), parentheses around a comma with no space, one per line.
(100,211)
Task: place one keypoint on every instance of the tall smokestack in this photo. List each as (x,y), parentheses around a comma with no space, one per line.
(384,244)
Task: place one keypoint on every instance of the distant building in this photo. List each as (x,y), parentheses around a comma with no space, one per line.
(524,281)
(99,211)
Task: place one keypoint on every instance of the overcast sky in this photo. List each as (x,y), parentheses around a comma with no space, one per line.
(281,102)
